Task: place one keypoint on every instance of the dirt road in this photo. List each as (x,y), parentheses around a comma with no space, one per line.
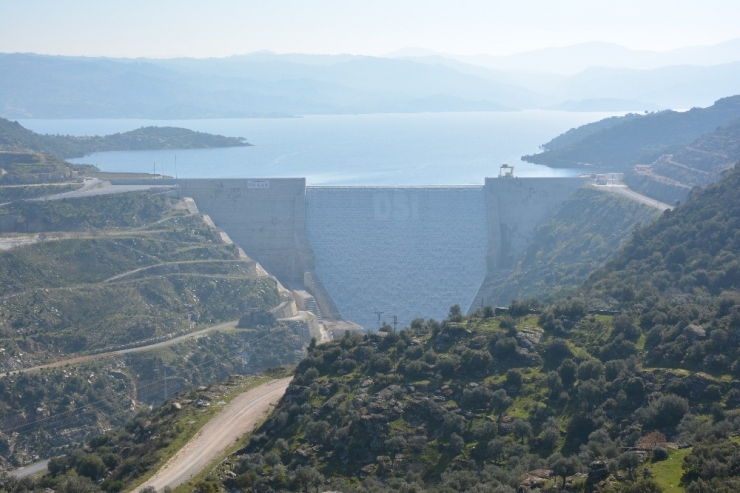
(237,418)
(139,349)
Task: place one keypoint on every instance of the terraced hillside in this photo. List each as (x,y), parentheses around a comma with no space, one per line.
(106,274)
(672,176)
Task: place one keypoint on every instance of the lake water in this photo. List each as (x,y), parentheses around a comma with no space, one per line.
(379,149)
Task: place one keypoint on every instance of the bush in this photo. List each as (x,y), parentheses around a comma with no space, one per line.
(659,454)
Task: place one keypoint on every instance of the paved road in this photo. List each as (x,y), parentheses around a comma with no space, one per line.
(237,418)
(96,186)
(631,194)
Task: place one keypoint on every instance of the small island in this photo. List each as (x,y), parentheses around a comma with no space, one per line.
(14,137)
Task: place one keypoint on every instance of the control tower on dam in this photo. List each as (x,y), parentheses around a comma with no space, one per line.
(404,251)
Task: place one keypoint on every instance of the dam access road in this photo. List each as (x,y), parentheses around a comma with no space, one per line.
(238,417)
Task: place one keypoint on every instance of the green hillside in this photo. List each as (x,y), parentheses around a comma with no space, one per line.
(580,237)
(616,147)
(483,403)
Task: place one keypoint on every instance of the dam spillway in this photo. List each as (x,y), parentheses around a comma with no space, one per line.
(405,251)
(410,252)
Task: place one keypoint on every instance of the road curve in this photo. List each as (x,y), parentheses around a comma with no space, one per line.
(237,418)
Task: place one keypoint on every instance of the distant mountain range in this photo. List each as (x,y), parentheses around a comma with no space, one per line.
(586,77)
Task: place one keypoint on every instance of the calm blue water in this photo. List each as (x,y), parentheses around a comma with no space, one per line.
(381,149)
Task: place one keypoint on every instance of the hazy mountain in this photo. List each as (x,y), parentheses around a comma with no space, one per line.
(269,84)
(570,60)
(606,104)
(671,87)
(44,86)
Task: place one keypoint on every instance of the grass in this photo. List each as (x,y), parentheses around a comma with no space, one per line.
(668,473)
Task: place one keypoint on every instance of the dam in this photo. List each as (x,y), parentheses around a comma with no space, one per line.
(368,254)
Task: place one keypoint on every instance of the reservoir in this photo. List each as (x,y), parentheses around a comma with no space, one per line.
(423,149)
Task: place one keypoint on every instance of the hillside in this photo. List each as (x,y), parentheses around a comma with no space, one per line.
(520,401)
(580,237)
(108,274)
(635,140)
(14,137)
(486,402)
(22,167)
(672,176)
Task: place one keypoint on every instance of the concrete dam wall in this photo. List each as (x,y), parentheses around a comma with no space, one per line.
(406,251)
(410,252)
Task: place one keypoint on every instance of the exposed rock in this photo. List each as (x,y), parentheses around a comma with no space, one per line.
(693,332)
(597,471)
(534,479)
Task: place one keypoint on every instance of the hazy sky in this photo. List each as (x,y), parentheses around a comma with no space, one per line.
(201,28)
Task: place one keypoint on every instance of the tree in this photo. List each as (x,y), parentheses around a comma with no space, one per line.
(92,466)
(500,402)
(564,467)
(308,476)
(629,461)
(554,383)
(522,429)
(457,444)
(455,314)
(567,372)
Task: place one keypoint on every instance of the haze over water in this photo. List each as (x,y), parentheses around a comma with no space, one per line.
(374,149)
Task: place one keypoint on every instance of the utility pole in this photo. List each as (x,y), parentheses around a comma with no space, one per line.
(395,322)
(164,372)
(378,313)
(155,169)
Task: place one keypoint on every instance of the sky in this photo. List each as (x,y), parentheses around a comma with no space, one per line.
(217,28)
